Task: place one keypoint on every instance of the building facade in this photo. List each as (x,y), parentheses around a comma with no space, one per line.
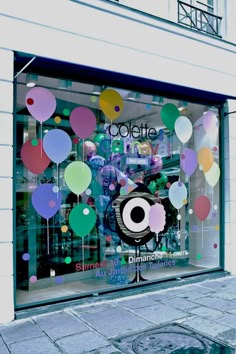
(116,145)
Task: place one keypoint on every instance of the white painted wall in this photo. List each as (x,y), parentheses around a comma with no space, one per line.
(6,186)
(230,188)
(140,46)
(157,50)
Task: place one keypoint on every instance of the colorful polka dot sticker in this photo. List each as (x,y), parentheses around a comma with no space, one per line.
(199,256)
(26,256)
(64,228)
(217,227)
(93,99)
(108,238)
(66,112)
(30,101)
(55,189)
(75,141)
(59,280)
(215,245)
(88,191)
(148,106)
(34,142)
(86,211)
(190,211)
(52,203)
(57,119)
(68,260)
(33,279)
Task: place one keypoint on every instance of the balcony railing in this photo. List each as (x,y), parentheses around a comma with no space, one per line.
(199,19)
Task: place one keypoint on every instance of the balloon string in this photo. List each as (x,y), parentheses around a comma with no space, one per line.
(47,237)
(83,252)
(57,180)
(178,221)
(83,154)
(111,143)
(202,234)
(189,189)
(41,137)
(212,201)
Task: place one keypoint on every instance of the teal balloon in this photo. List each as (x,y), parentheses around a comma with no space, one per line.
(169,114)
(152,187)
(82,219)
(96,188)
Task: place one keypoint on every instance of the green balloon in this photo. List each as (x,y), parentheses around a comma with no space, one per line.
(82,219)
(77,176)
(152,187)
(169,114)
(99,137)
(161,181)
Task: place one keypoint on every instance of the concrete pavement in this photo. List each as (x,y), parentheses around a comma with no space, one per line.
(209,307)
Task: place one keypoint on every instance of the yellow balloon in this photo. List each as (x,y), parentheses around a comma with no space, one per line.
(111,103)
(205,158)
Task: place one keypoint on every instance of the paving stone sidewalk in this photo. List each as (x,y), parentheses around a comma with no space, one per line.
(209,307)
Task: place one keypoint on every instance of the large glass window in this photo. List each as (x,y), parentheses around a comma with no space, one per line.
(113,187)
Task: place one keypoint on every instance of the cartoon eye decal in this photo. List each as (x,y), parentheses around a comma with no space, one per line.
(135,214)
(132,217)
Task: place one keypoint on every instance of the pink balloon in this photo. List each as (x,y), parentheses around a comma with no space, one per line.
(83,122)
(209,122)
(41,103)
(202,207)
(34,157)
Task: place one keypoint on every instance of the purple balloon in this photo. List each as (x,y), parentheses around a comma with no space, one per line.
(83,122)
(46,200)
(57,144)
(188,161)
(41,103)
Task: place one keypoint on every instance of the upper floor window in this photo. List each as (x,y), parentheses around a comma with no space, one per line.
(199,15)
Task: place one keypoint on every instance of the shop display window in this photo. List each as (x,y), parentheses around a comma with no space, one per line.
(112,188)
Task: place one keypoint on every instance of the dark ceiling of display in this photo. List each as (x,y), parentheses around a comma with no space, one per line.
(76,72)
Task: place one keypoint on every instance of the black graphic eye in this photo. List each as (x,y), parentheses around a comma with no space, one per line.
(135,214)
(132,217)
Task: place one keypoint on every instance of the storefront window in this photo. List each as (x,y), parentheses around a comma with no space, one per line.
(113,187)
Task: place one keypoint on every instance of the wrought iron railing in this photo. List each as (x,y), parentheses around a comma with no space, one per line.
(198,19)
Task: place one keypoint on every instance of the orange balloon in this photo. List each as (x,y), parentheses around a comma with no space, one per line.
(111,103)
(205,158)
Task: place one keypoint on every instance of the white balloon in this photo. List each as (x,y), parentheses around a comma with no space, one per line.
(183,129)
(212,176)
(177,194)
